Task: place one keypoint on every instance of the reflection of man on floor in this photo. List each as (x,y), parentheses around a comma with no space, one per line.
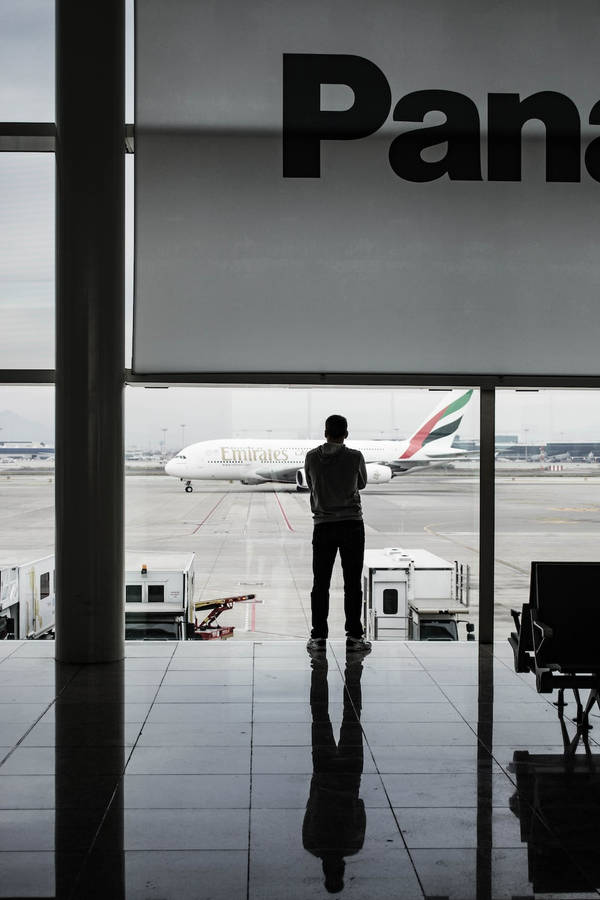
(335,819)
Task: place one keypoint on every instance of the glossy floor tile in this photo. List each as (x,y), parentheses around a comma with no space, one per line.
(254,770)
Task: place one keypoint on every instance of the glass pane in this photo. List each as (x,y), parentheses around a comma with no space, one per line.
(438,631)
(133,593)
(27,260)
(547,488)
(140,627)
(390,602)
(27,61)
(156,593)
(235,499)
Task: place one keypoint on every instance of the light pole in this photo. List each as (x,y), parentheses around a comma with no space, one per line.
(182,436)
(164,441)
(526,432)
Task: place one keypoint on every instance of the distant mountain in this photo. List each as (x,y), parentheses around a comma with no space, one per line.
(14,427)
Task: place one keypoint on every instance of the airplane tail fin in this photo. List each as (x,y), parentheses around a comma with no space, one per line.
(440,427)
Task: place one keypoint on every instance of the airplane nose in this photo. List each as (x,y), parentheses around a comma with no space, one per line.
(170,467)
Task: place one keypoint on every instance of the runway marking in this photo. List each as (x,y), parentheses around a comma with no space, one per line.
(428,529)
(287,521)
(557,521)
(208,515)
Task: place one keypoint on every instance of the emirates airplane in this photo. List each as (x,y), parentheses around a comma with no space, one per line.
(257,460)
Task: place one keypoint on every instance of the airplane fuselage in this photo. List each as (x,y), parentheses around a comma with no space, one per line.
(263,459)
(254,460)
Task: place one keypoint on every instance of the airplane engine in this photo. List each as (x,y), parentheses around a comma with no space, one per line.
(301,480)
(377,474)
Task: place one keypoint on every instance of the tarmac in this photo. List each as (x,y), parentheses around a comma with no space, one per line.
(257,539)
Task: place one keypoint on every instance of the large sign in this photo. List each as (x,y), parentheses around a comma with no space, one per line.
(389,187)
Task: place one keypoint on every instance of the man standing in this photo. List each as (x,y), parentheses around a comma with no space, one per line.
(335,474)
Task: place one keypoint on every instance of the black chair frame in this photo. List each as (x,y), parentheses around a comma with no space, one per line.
(534,650)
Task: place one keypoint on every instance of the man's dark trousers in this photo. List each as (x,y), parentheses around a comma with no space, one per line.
(347,536)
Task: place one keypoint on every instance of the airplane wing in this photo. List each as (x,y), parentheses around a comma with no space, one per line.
(454,454)
(398,467)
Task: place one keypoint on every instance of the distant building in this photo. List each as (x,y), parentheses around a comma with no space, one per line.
(25,448)
(588,451)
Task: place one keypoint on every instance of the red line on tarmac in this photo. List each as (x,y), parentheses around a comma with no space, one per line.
(287,521)
(208,515)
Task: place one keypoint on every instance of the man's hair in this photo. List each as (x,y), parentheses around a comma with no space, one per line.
(336,426)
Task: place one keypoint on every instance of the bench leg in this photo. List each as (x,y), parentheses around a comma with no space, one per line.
(578,720)
(569,744)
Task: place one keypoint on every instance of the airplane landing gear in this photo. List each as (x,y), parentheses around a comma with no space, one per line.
(188,487)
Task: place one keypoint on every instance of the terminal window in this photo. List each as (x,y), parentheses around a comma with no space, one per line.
(390,601)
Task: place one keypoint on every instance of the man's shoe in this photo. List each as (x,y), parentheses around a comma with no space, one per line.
(358,644)
(316,644)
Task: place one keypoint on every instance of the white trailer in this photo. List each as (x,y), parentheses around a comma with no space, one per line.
(159,595)
(27,597)
(413,595)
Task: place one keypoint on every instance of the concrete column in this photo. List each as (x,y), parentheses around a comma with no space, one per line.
(90,198)
(487,456)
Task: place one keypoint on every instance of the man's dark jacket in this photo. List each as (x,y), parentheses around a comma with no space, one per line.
(335,474)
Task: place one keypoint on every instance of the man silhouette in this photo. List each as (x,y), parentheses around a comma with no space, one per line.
(335,474)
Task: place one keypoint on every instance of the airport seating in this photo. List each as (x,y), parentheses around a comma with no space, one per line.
(521,640)
(558,637)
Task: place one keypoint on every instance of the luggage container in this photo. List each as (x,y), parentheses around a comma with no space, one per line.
(388,584)
(414,595)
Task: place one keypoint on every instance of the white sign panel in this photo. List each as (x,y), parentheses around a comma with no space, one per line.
(333,187)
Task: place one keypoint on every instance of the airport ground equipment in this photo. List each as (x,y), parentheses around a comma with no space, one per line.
(208,629)
(27,599)
(414,595)
(159,595)
(557,639)
(159,599)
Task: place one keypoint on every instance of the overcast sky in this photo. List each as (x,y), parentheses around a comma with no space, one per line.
(27,305)
(298,412)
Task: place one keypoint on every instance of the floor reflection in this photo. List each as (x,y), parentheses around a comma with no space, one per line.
(89,764)
(557,802)
(335,820)
(253,772)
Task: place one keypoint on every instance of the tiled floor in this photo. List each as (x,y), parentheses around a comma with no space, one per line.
(251,770)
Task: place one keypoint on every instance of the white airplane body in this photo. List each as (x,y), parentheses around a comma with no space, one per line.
(258,460)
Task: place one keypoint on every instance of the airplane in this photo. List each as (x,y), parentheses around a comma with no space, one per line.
(258,461)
